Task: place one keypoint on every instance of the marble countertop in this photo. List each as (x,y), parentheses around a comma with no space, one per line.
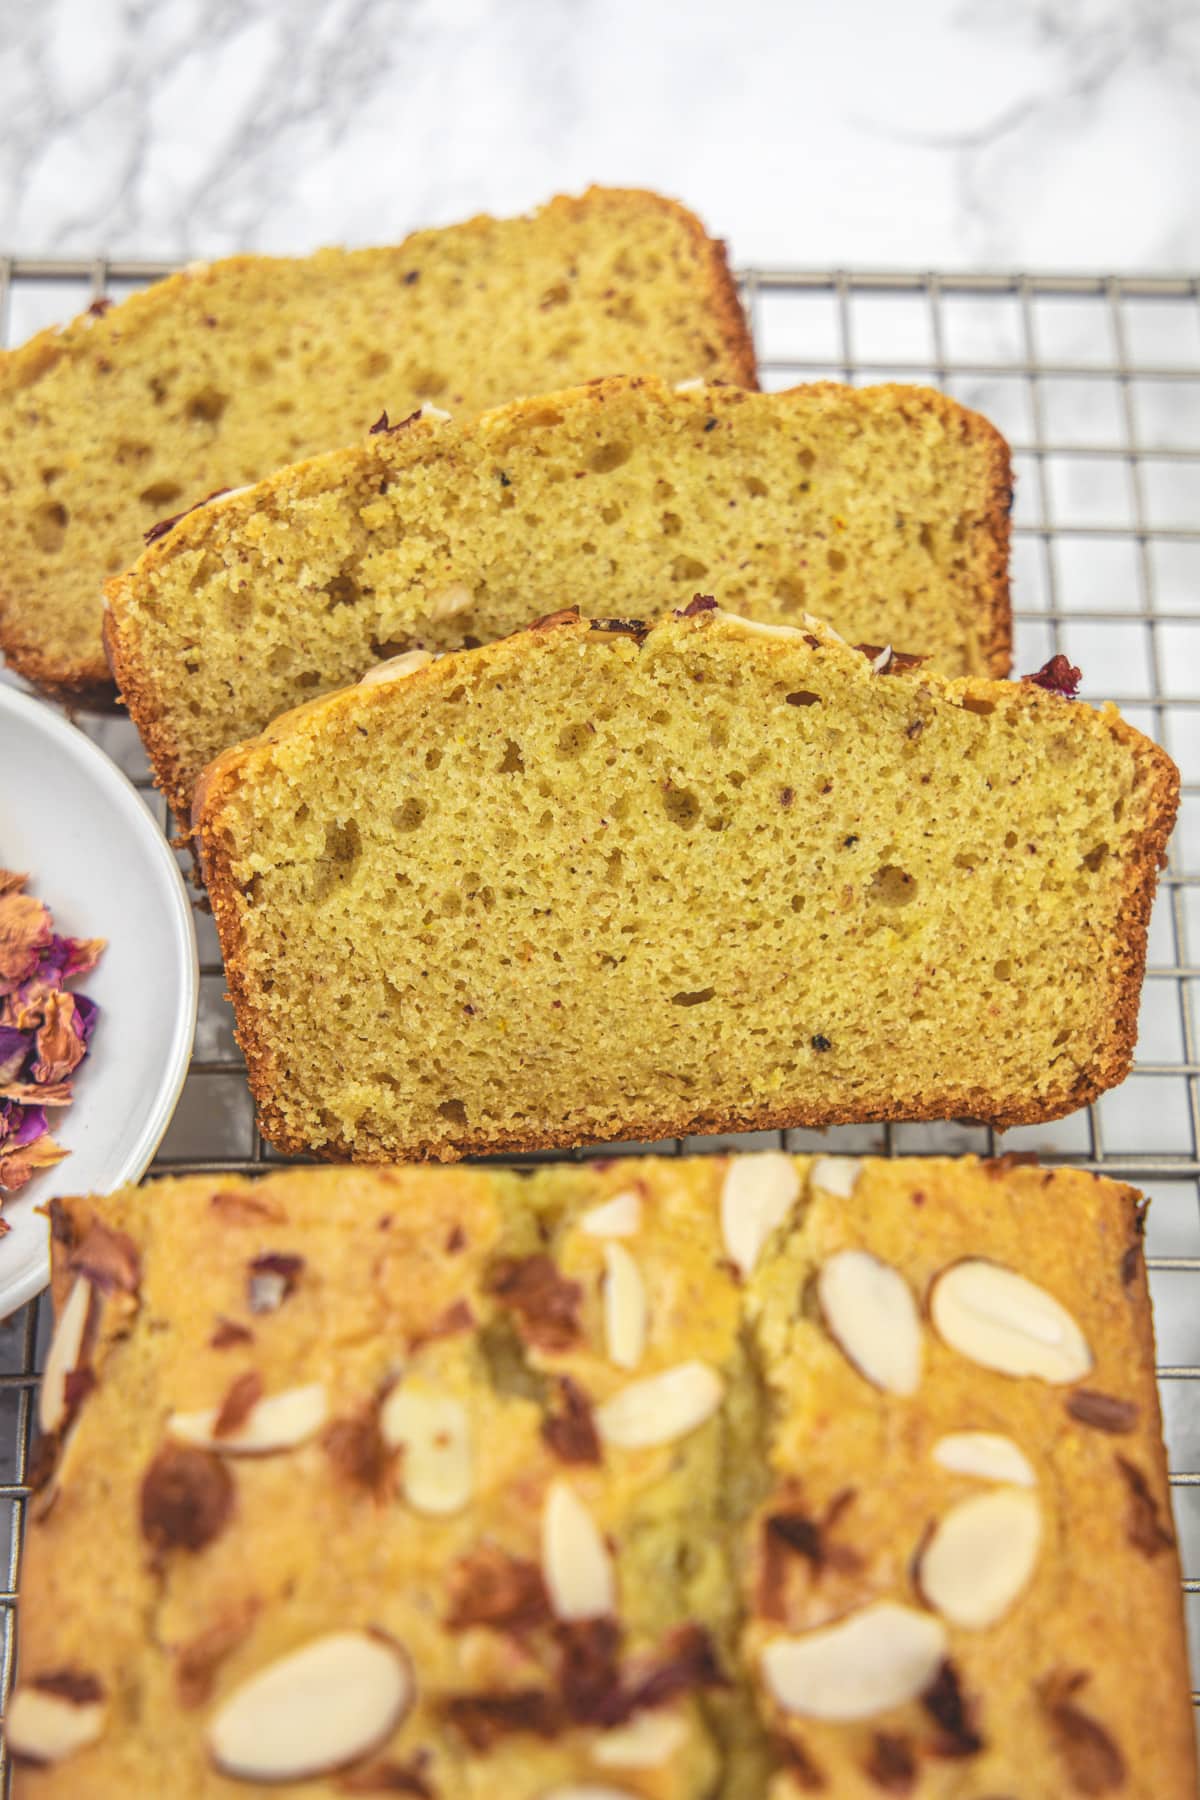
(944,133)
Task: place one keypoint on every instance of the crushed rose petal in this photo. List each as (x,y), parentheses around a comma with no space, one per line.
(44,1030)
(1058,676)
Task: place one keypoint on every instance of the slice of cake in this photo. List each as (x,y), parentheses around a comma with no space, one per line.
(609,881)
(720,1479)
(882,509)
(223,373)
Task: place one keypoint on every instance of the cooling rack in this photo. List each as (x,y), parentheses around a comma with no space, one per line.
(1095,381)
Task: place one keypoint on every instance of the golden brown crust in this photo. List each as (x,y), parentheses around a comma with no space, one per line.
(87,680)
(1111,1059)
(387,455)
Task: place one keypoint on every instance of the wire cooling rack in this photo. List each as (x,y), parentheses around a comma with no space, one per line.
(1096,383)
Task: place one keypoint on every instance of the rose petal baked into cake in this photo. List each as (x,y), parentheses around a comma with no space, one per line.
(222,373)
(601,882)
(884,510)
(721,1479)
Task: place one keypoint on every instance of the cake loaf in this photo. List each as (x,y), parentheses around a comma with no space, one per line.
(222,373)
(605,881)
(884,510)
(720,1479)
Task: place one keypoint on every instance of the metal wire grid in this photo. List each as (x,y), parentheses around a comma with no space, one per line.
(1096,382)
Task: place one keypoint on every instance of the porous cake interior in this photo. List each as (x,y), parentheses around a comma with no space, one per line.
(883,511)
(125,419)
(576,889)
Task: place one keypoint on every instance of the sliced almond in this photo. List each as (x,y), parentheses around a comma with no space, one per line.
(878,1658)
(335,1699)
(756,628)
(576,1565)
(586,1790)
(45,1726)
(882,662)
(1005,1322)
(835,1174)
(619,1217)
(277,1422)
(429,411)
(870,1312)
(980,1557)
(434,1433)
(451,601)
(661,1407)
(757,1195)
(397,668)
(649,1740)
(624,1307)
(65,1355)
(820,628)
(986,1454)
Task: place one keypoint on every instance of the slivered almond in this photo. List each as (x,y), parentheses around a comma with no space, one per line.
(757,1195)
(986,1454)
(649,1740)
(756,628)
(586,1790)
(979,1558)
(624,1307)
(45,1724)
(576,1565)
(1005,1322)
(870,1312)
(619,1217)
(873,1660)
(835,1174)
(660,1408)
(65,1355)
(396,668)
(337,1698)
(276,1422)
(434,1433)
(451,601)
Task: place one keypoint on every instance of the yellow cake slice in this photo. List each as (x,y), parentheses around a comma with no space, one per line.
(725,1478)
(601,881)
(882,509)
(221,374)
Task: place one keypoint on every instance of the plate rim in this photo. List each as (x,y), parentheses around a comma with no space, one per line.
(25,1285)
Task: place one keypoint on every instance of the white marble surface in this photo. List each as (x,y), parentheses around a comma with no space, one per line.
(1033,133)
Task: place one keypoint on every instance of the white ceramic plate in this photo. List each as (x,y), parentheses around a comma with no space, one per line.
(96,857)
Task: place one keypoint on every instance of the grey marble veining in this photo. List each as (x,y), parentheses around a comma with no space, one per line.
(1048,133)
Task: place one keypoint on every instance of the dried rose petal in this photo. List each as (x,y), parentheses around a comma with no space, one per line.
(44,1031)
(33,1093)
(700,603)
(17,1167)
(483,1719)
(490,1587)
(1058,676)
(24,929)
(86,1014)
(66,957)
(20,1125)
(545,1302)
(15,1047)
(60,1044)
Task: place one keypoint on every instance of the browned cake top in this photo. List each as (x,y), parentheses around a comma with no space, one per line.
(752,1476)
